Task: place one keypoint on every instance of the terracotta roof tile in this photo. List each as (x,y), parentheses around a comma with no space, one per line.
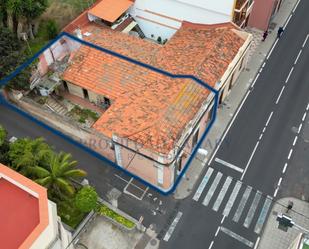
(148,107)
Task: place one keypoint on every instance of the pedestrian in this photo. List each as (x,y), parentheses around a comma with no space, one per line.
(280,31)
(265,34)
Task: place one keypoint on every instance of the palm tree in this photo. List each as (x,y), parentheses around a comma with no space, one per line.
(58,176)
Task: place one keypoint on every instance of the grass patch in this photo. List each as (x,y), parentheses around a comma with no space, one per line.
(84,114)
(69,214)
(104,210)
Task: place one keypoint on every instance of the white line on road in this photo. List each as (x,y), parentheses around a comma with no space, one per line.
(210,246)
(272,49)
(296,6)
(284,168)
(263,64)
(297,57)
(222,193)
(237,237)
(261,136)
(232,199)
(172,227)
(217,231)
(242,204)
(279,182)
(276,191)
(307,107)
(290,153)
(299,128)
(304,116)
(203,184)
(287,78)
(257,243)
(252,154)
(256,77)
(280,95)
(228,165)
(252,209)
(270,115)
(287,21)
(212,189)
(305,40)
(264,129)
(223,218)
(295,139)
(263,215)
(228,128)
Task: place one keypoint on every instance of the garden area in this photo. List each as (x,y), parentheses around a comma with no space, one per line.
(57,172)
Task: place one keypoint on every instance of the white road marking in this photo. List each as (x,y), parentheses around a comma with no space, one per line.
(256,78)
(203,184)
(222,193)
(304,116)
(262,217)
(232,199)
(261,136)
(272,49)
(299,53)
(295,139)
(307,107)
(212,189)
(242,204)
(263,64)
(296,6)
(280,95)
(279,182)
(172,226)
(270,115)
(305,40)
(212,242)
(257,243)
(284,168)
(264,129)
(229,165)
(252,209)
(252,154)
(299,128)
(290,153)
(237,237)
(276,192)
(287,22)
(217,231)
(287,78)
(223,218)
(230,125)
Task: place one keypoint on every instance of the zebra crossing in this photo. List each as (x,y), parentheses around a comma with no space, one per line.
(225,194)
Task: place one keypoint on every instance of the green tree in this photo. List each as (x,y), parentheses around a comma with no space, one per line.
(58,175)
(86,199)
(3,135)
(4,146)
(52,29)
(26,153)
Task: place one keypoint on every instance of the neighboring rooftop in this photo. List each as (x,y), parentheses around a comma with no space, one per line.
(23,210)
(148,107)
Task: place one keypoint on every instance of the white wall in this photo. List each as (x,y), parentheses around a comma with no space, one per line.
(196,11)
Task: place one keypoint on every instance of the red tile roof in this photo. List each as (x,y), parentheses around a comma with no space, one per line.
(148,107)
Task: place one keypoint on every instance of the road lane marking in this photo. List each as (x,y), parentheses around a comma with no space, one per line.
(295,139)
(299,53)
(252,209)
(229,165)
(280,95)
(237,237)
(217,231)
(261,136)
(228,128)
(276,192)
(264,129)
(279,182)
(232,199)
(263,64)
(252,154)
(307,107)
(212,189)
(304,116)
(290,153)
(211,244)
(287,21)
(305,40)
(299,128)
(257,243)
(172,227)
(203,184)
(256,78)
(223,218)
(222,193)
(269,117)
(284,168)
(296,6)
(263,214)
(272,49)
(287,78)
(242,204)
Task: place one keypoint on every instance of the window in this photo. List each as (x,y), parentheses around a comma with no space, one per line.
(107,102)
(195,138)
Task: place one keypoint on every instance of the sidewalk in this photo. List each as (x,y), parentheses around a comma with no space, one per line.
(227,110)
(274,238)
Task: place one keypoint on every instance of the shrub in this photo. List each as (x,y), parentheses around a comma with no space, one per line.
(86,199)
(51,29)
